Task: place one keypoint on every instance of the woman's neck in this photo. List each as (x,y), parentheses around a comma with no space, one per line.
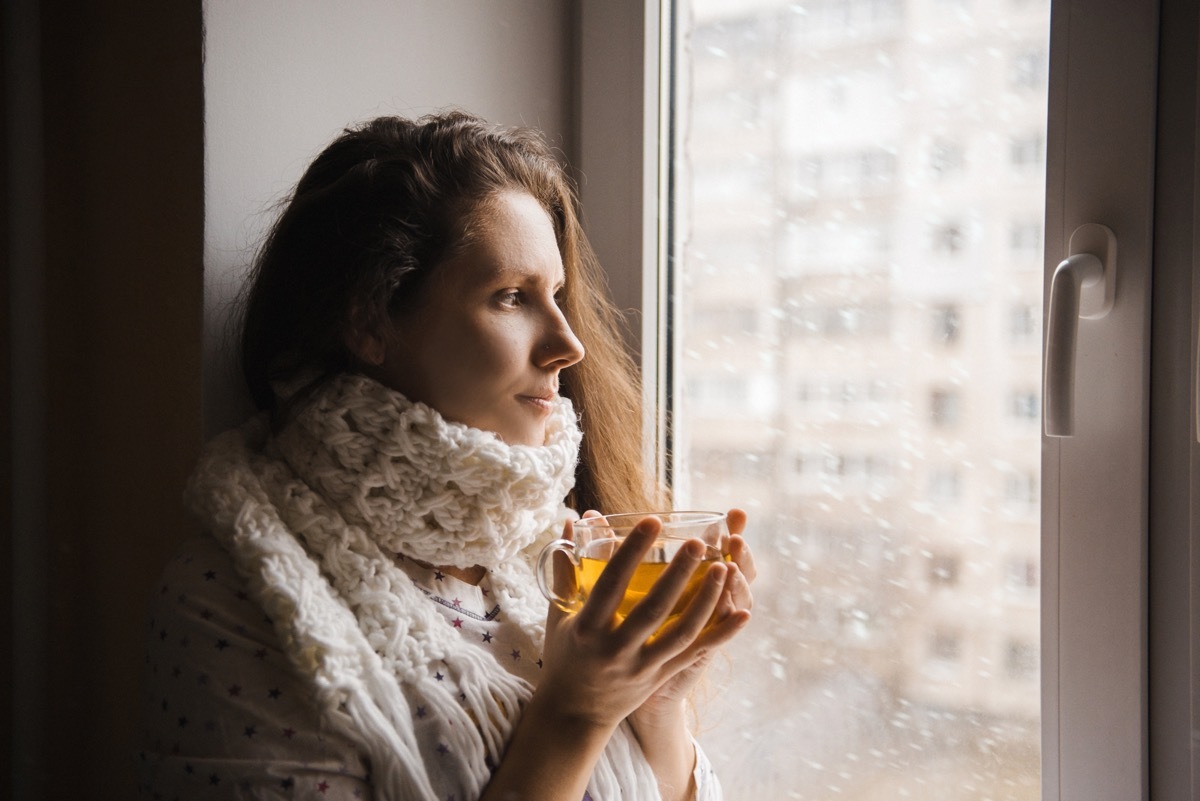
(471,575)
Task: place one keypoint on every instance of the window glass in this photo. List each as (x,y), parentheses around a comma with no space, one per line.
(857,203)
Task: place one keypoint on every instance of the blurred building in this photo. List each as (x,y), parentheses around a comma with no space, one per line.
(859,300)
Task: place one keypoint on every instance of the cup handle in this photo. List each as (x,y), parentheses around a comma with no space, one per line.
(545,576)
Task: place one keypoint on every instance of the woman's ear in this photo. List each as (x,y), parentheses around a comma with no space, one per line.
(367,347)
(362,340)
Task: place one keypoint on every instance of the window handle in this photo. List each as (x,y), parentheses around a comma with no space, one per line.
(1082,286)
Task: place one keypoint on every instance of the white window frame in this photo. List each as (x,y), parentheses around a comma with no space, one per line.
(1097,711)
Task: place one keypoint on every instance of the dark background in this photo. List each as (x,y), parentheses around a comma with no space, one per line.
(102,233)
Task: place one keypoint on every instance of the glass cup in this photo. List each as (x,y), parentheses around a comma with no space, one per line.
(598,538)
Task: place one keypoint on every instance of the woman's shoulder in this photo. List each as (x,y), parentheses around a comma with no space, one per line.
(224,708)
(202,598)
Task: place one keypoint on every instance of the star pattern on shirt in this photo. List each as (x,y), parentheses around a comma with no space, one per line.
(237,671)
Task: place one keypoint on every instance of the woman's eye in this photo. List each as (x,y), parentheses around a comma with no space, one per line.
(511,297)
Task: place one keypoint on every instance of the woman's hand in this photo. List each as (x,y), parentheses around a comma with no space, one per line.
(717,613)
(597,672)
(666,705)
(600,671)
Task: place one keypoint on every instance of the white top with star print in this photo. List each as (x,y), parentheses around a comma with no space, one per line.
(227,716)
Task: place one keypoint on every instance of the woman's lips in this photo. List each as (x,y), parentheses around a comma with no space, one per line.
(541,402)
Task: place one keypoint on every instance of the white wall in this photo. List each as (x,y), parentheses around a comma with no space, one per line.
(283,77)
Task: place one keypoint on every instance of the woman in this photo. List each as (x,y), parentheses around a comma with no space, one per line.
(364,621)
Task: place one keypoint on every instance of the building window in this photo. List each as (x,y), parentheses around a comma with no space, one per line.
(1021,660)
(1029,69)
(1021,574)
(1025,237)
(943,570)
(946,323)
(1024,405)
(1024,324)
(1021,491)
(945,484)
(946,158)
(949,239)
(1026,151)
(945,407)
(946,645)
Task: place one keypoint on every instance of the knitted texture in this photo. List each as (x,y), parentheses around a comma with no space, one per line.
(442,492)
(313,518)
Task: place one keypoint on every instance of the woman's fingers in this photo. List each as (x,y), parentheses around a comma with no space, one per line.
(741,555)
(695,616)
(710,638)
(736,520)
(665,595)
(606,595)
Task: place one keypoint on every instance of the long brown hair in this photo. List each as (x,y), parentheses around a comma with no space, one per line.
(376,212)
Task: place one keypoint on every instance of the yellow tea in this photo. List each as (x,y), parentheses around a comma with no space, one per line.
(595,558)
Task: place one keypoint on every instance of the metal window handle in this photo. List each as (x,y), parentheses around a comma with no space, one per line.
(1083,285)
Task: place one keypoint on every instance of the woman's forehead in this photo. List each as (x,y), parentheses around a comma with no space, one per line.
(511,238)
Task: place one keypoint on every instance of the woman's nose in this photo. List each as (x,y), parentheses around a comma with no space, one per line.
(560,347)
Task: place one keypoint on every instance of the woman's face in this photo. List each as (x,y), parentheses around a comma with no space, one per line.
(486,344)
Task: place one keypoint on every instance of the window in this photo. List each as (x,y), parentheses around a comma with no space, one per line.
(1021,491)
(1021,574)
(946,322)
(945,484)
(946,158)
(1026,152)
(883,446)
(943,570)
(945,407)
(946,645)
(1021,660)
(1028,69)
(1024,404)
(1025,237)
(1024,325)
(949,238)
(1082,763)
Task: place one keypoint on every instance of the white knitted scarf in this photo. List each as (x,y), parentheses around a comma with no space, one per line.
(313,517)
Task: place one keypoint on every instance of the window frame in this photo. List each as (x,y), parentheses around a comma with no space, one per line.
(1109,80)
